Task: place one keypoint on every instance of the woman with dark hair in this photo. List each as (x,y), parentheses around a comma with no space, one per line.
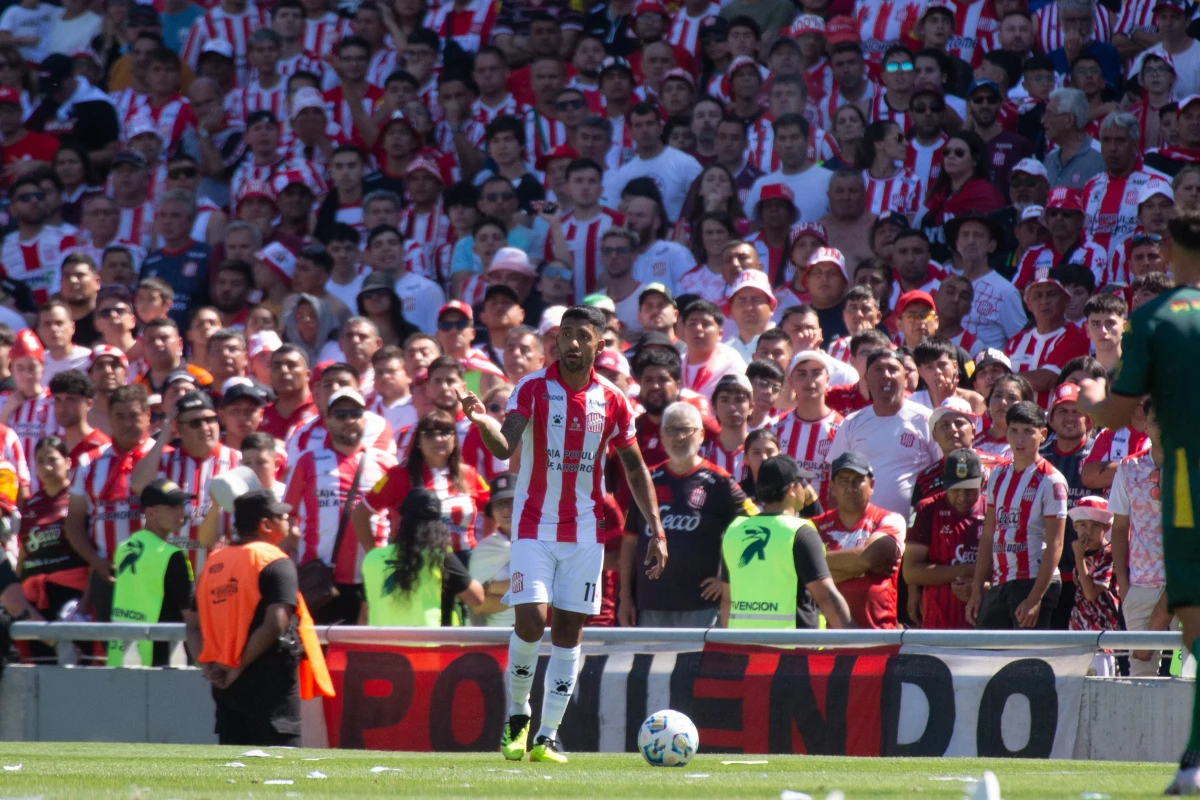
(712,192)
(963,186)
(412,581)
(1081,367)
(760,445)
(890,187)
(52,573)
(1006,392)
(73,167)
(848,125)
(377,301)
(714,230)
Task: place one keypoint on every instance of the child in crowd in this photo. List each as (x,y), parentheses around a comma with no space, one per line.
(1096,600)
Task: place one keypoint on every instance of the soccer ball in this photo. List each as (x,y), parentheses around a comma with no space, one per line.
(668,739)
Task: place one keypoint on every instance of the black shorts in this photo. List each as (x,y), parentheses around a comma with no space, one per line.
(999,607)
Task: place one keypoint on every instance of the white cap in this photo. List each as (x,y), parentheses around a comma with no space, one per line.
(752,279)
(1091,508)
(551,319)
(514,259)
(263,342)
(1031,166)
(739,379)
(1156,187)
(951,405)
(1032,212)
(304,98)
(219,46)
(830,255)
(808,355)
(352,394)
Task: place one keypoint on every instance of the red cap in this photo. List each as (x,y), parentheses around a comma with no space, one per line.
(651,7)
(103,350)
(424,163)
(26,344)
(680,74)
(257,189)
(1062,197)
(777,191)
(841,29)
(317,371)
(1067,393)
(738,63)
(1091,508)
(908,298)
(283,180)
(1042,275)
(805,23)
(459,306)
(562,151)
(10,95)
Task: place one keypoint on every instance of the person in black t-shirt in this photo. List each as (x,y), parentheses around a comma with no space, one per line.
(696,501)
(75,111)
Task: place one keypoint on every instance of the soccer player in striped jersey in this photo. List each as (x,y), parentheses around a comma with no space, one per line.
(565,418)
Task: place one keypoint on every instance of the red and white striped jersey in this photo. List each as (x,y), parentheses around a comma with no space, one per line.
(322,35)
(702,281)
(702,378)
(996,447)
(32,420)
(1117,445)
(966,340)
(560,486)
(113,513)
(542,134)
(1110,207)
(194,476)
(733,462)
(1030,350)
(88,450)
(902,192)
(383,63)
(233,28)
(249,171)
(471,27)
(819,79)
(255,98)
(338,109)
(828,106)
(839,348)
(1044,256)
(461,510)
(685,29)
(1049,27)
(476,454)
(428,94)
(303,62)
(294,150)
(583,239)
(429,230)
(1021,502)
(1137,16)
(443,136)
(925,161)
(510,107)
(36,263)
(172,119)
(319,486)
(880,111)
(971,19)
(313,435)
(882,23)
(137,226)
(808,443)
(127,101)
(761,149)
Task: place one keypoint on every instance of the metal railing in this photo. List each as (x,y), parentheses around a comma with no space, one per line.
(648,637)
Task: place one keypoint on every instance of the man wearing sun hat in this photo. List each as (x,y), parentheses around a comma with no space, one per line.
(996,312)
(1039,353)
(826,281)
(1068,243)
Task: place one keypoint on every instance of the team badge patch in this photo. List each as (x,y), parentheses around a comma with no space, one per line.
(960,470)
(595,422)
(697,498)
(518,583)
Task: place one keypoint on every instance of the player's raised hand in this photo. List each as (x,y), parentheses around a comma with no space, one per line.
(472,407)
(656,554)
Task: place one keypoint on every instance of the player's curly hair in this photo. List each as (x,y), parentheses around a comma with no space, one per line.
(422,541)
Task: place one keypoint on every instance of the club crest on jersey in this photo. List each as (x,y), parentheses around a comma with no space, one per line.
(908,439)
(823,446)
(1131,197)
(1030,493)
(595,422)
(190,269)
(697,498)
(517,584)
(1060,492)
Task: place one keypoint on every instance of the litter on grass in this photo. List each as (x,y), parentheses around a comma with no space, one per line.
(696,775)
(258,754)
(316,775)
(279,782)
(13,767)
(386,769)
(727,763)
(788,794)
(234,764)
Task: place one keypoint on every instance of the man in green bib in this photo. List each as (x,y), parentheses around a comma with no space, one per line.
(153,579)
(774,563)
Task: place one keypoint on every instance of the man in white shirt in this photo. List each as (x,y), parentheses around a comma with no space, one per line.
(671,170)
(617,248)
(658,260)
(707,360)
(808,182)
(750,306)
(55,328)
(420,296)
(997,313)
(893,433)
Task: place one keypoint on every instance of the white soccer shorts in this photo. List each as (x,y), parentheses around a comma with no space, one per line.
(565,575)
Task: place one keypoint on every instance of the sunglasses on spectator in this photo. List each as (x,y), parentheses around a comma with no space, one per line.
(182,172)
(113,311)
(929,108)
(1144,238)
(899,66)
(561,273)
(1026,182)
(197,424)
(453,324)
(346,414)
(957,152)
(917,316)
(569,105)
(615,251)
(497,197)
(439,433)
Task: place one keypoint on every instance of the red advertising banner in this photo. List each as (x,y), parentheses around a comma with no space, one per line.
(877,701)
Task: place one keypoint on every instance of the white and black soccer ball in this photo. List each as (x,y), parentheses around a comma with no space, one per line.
(668,739)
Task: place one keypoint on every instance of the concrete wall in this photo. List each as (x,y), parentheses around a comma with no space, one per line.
(1119,719)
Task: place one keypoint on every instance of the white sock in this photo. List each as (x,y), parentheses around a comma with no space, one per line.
(522,663)
(560,685)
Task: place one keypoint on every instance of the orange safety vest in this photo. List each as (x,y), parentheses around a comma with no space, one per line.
(226,598)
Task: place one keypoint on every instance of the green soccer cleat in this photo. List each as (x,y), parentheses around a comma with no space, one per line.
(515,737)
(546,750)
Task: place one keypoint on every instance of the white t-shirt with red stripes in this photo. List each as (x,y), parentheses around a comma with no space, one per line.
(882,23)
(36,263)
(322,35)
(113,514)
(560,486)
(1048,26)
(925,161)
(733,462)
(1110,207)
(685,29)
(902,192)
(583,240)
(1021,502)
(1030,350)
(236,29)
(809,443)
(32,420)
(194,476)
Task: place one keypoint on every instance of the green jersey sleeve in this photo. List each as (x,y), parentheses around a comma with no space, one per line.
(1132,376)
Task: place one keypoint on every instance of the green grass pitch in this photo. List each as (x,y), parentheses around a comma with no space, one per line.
(162,772)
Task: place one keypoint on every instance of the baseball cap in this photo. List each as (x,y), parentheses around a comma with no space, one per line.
(551,319)
(306,97)
(612,361)
(10,95)
(261,189)
(655,339)
(775,191)
(180,375)
(928,87)
(501,288)
(164,492)
(1091,508)
(656,288)
(513,259)
(141,14)
(504,487)
(107,351)
(737,379)
(114,290)
(806,23)
(218,46)
(562,151)
(263,342)
(814,229)
(26,344)
(984,84)
(963,470)
(278,258)
(1156,187)
(829,255)
(194,401)
(676,74)
(291,177)
(1067,393)
(425,164)
(841,29)
(1040,276)
(808,355)
(908,298)
(616,62)
(1176,4)
(397,116)
(1032,212)
(601,301)
(992,356)
(1031,166)
(243,390)
(1063,197)
(713,26)
(255,506)
(951,405)
(131,157)
(853,461)
(754,279)
(347,394)
(54,72)
(778,473)
(141,125)
(459,306)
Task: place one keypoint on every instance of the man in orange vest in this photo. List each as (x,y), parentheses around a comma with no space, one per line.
(254,636)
